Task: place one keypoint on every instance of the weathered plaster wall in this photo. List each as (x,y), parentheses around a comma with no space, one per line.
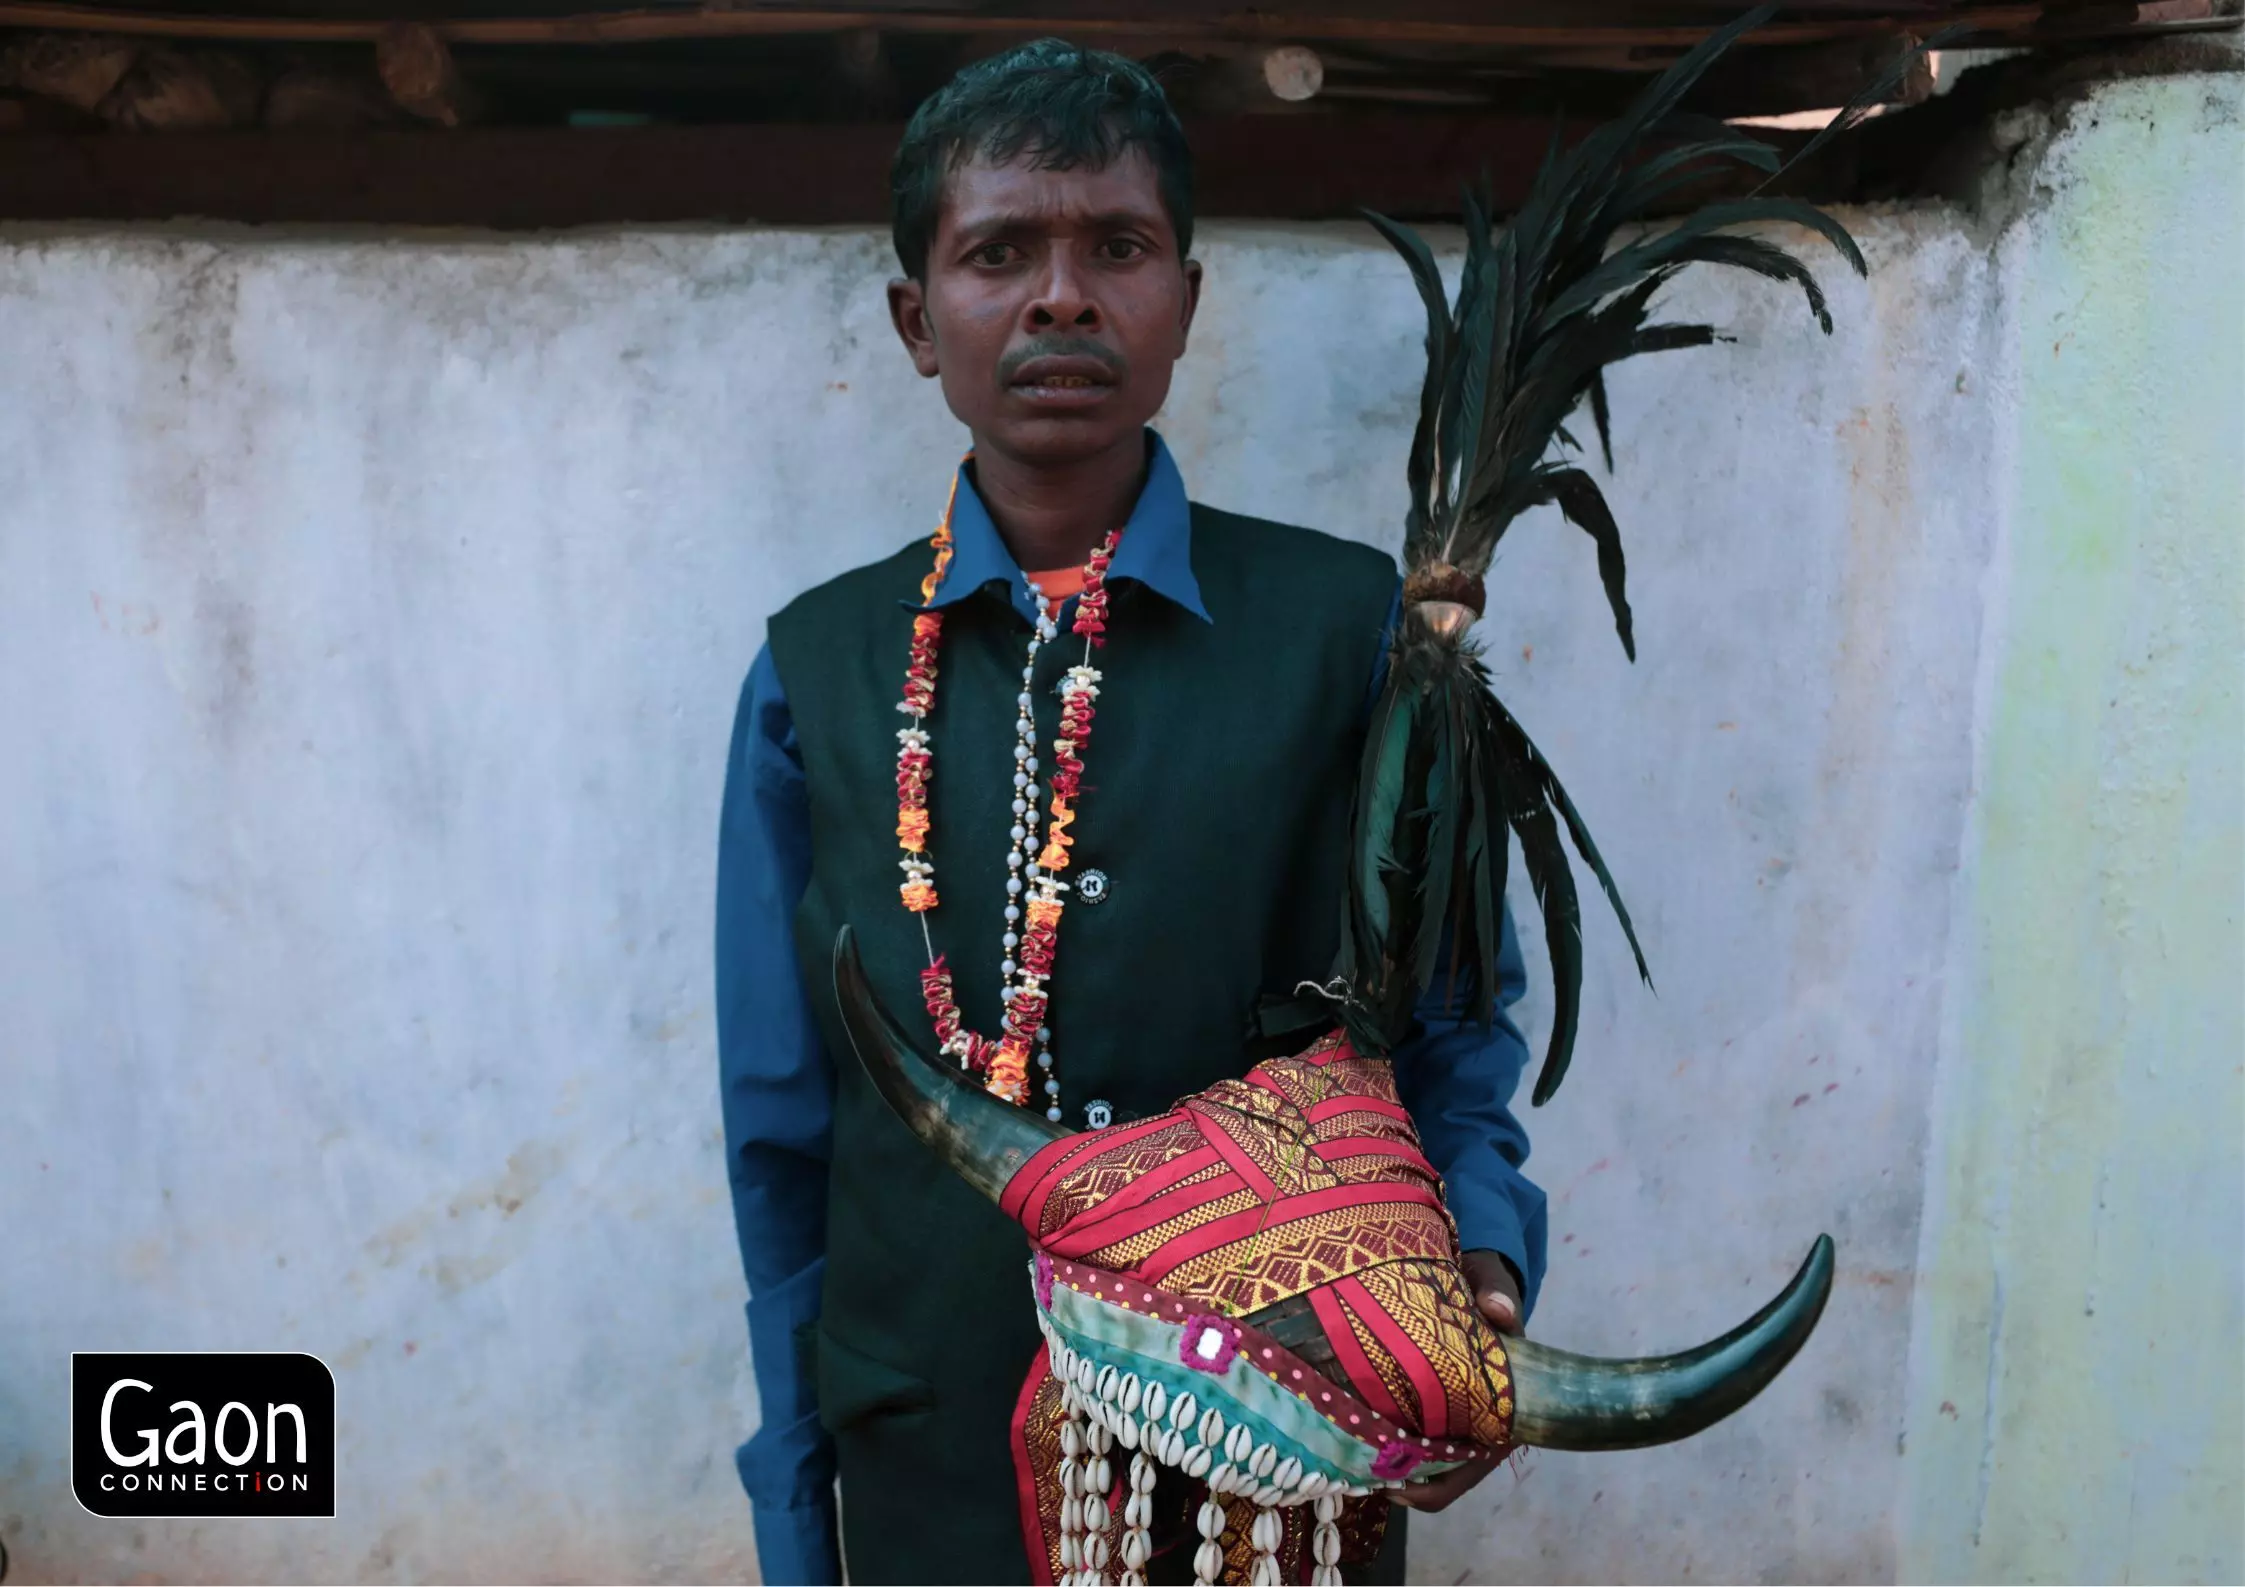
(2077,1391)
(372,612)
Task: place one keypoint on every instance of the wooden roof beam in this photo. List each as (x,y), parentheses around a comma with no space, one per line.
(718,20)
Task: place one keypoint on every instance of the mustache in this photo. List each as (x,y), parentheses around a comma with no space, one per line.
(1061,347)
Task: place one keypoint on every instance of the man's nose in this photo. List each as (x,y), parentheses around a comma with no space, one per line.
(1063,299)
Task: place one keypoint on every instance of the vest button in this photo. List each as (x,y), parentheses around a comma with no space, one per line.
(1091,887)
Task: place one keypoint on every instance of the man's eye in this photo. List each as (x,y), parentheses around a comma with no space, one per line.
(992,253)
(1123,247)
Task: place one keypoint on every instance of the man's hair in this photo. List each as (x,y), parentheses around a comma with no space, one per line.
(1062,105)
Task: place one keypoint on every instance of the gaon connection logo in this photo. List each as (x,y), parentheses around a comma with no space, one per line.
(196,1433)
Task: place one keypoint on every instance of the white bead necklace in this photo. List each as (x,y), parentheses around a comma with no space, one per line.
(1022,859)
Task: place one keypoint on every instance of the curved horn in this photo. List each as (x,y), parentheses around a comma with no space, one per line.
(1565,1401)
(984,1140)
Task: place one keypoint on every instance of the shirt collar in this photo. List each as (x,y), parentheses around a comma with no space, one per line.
(1156,548)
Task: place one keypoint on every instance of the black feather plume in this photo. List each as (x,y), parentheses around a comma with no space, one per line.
(1544,307)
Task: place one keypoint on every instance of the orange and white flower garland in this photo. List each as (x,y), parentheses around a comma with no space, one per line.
(1033,903)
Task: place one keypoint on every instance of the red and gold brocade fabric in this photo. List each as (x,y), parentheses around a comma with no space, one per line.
(1303,1178)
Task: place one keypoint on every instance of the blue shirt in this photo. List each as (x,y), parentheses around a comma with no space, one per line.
(777,1078)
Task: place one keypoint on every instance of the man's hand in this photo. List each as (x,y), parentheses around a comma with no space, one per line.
(1496,1294)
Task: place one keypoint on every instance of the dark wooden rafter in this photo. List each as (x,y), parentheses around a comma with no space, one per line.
(501,112)
(1254,167)
(1114,23)
(1412,165)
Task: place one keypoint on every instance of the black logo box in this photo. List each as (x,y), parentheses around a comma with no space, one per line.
(266,1444)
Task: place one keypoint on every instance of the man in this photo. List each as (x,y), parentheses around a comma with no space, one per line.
(1043,220)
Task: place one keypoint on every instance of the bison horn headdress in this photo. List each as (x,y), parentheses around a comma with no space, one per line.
(1261,1289)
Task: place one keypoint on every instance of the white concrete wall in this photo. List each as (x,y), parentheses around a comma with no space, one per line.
(371,614)
(2077,1384)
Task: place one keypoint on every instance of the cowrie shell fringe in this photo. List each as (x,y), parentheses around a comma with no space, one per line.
(1074,1446)
(1138,1513)
(1103,1410)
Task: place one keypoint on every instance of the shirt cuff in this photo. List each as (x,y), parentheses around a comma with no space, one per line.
(795,1543)
(787,1469)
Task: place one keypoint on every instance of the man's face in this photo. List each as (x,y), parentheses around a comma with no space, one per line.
(1055,306)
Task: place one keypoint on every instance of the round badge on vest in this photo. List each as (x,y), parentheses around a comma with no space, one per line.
(1091,887)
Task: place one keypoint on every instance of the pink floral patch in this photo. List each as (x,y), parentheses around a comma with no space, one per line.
(1396,1461)
(1208,1343)
(1044,1282)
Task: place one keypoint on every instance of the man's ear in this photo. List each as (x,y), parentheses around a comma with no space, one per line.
(1191,268)
(908,312)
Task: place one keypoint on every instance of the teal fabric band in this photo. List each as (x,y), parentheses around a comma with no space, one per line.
(1101,1335)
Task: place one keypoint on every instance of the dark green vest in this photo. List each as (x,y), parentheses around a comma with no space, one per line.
(1216,799)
